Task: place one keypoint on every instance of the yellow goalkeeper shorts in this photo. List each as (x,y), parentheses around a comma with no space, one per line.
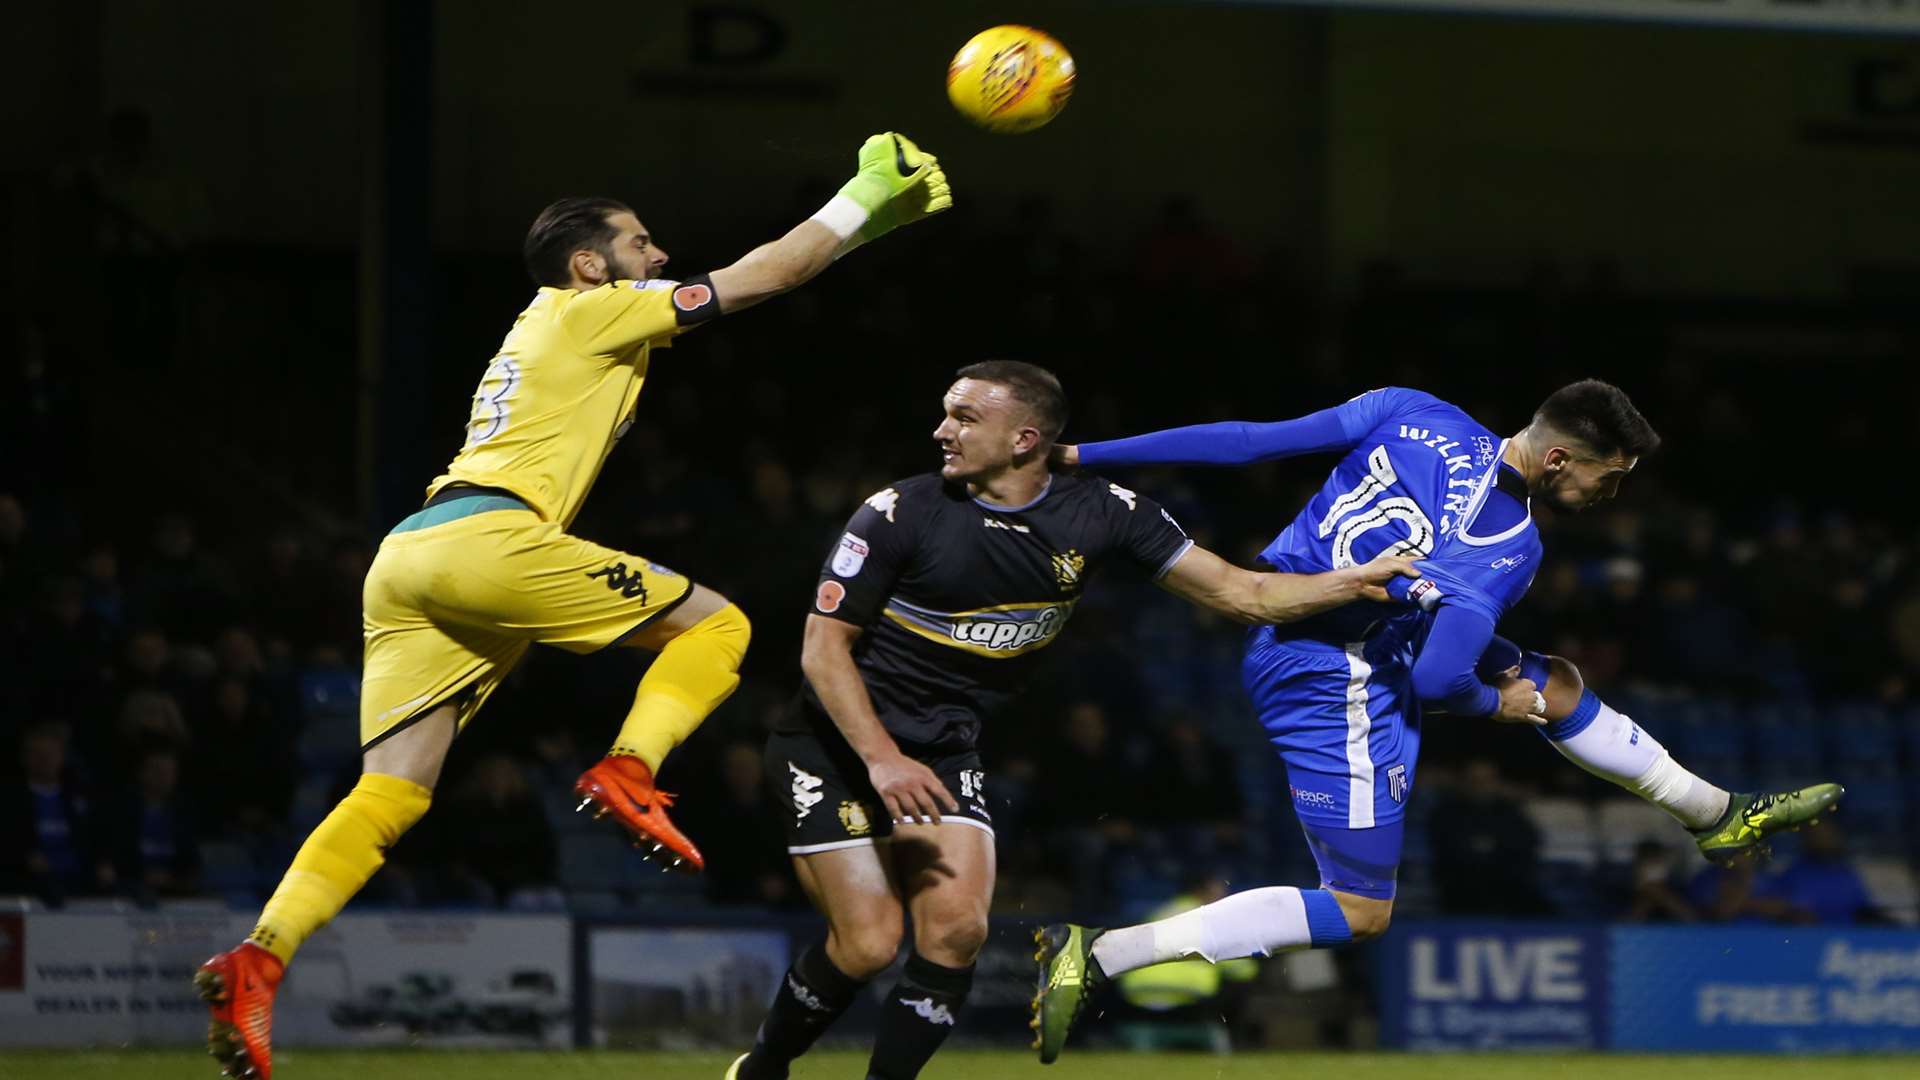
(453,599)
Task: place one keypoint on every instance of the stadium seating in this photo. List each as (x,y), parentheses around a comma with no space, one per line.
(1625,822)
(1567,831)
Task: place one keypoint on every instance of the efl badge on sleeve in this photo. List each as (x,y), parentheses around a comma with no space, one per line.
(850,556)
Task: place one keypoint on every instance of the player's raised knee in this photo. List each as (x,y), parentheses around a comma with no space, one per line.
(1564,687)
(730,624)
(1367,918)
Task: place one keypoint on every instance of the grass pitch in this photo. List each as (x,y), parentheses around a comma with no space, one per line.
(958,1065)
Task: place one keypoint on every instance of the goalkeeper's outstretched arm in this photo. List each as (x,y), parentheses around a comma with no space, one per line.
(896,184)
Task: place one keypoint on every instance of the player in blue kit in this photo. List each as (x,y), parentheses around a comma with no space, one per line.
(1341,694)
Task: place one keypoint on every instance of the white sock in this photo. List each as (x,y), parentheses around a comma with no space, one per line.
(1615,749)
(1258,921)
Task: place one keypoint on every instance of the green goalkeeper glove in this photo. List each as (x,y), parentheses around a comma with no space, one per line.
(897,184)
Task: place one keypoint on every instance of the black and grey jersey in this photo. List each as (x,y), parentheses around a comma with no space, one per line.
(957,595)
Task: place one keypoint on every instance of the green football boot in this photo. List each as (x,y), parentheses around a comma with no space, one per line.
(1752,817)
(1068,976)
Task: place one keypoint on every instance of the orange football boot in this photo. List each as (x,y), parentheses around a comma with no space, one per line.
(238,987)
(622,785)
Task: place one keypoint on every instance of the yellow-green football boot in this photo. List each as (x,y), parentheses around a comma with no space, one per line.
(1068,976)
(1752,817)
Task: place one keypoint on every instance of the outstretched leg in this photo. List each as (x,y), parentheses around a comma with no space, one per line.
(1612,746)
(1353,904)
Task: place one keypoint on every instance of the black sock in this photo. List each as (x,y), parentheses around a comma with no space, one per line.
(919,1013)
(811,997)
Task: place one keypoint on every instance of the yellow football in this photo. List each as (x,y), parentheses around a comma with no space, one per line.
(1010,79)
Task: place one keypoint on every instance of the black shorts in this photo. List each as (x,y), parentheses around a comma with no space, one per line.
(820,789)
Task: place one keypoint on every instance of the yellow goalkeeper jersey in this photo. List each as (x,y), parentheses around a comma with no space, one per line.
(561,391)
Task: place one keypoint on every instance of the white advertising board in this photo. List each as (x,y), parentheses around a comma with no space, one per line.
(434,980)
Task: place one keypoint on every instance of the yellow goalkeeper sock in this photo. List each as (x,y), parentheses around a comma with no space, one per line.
(688,680)
(337,859)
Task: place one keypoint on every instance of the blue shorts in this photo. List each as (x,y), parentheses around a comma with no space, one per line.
(1344,720)
(1363,862)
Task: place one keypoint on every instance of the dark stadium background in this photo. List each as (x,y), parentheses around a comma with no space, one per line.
(258,254)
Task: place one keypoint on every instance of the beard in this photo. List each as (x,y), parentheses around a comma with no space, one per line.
(626,267)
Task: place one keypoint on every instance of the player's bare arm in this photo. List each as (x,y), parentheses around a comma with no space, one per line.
(897,184)
(911,791)
(1253,598)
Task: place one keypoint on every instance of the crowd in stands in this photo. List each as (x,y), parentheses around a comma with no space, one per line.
(177,673)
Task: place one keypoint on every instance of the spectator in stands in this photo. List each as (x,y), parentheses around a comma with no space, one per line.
(150,719)
(68,651)
(151,835)
(241,767)
(179,586)
(740,834)
(1738,894)
(1102,791)
(1194,782)
(285,593)
(1654,894)
(1486,853)
(46,831)
(146,662)
(1822,886)
(106,599)
(494,846)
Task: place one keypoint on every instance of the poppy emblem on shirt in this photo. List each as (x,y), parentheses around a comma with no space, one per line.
(692,297)
(829,597)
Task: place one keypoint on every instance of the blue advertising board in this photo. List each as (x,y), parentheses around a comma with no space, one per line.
(1779,989)
(1494,986)
(1521,986)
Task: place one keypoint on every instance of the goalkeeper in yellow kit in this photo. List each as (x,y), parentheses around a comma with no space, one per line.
(486,568)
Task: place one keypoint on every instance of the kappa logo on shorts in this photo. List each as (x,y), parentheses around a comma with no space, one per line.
(627,583)
(806,792)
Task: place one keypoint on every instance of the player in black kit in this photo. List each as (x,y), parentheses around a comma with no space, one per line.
(926,620)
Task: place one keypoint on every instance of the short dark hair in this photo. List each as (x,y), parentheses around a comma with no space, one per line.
(565,227)
(1031,385)
(1599,415)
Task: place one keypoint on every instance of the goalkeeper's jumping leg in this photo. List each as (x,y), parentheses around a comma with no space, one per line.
(700,645)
